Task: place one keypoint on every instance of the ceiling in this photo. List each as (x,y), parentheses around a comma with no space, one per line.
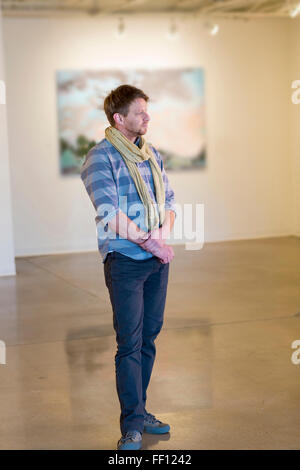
(216,8)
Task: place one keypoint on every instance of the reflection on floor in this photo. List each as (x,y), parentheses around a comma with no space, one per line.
(223,376)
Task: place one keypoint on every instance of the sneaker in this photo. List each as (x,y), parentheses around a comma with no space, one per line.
(131,441)
(154,426)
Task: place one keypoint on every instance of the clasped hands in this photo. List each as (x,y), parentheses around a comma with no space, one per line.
(155,244)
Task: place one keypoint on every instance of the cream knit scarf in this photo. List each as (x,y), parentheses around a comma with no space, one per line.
(132,154)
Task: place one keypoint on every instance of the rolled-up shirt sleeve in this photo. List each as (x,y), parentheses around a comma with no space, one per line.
(97,176)
(169,193)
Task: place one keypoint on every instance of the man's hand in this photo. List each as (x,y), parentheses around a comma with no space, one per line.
(155,245)
(168,255)
(158,235)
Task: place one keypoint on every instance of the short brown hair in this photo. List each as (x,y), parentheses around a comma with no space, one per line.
(119,100)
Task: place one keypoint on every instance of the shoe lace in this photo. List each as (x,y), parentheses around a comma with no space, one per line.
(151,419)
(132,435)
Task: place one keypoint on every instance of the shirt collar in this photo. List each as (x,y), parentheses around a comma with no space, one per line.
(137,140)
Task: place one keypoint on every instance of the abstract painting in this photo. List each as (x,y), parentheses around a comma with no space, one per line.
(176,108)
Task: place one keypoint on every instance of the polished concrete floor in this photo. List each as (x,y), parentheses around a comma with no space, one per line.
(223,376)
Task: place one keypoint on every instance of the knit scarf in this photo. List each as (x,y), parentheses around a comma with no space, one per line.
(133,154)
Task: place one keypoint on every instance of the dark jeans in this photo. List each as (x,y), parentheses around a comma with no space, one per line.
(138,290)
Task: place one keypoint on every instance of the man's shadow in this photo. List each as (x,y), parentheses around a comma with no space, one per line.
(150,440)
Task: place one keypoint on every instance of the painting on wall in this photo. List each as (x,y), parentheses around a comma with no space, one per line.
(176,108)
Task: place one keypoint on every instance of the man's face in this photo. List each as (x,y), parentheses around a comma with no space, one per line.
(136,121)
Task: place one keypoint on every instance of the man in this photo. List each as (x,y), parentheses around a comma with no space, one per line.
(128,186)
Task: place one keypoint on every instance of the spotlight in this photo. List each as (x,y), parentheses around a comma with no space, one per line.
(173,30)
(214,29)
(294,12)
(121,28)
(211,28)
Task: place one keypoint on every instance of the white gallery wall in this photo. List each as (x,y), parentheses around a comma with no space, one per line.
(7,260)
(249,188)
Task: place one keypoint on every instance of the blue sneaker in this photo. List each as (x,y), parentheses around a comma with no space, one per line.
(131,441)
(154,426)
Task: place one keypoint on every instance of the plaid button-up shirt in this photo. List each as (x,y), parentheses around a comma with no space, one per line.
(111,187)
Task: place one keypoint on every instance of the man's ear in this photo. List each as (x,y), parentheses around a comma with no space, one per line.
(118,118)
